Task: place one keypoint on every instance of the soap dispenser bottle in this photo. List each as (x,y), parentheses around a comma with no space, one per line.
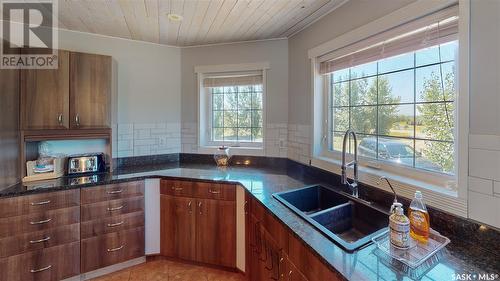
(419,219)
(399,226)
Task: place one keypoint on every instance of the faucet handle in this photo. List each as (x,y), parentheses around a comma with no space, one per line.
(390,185)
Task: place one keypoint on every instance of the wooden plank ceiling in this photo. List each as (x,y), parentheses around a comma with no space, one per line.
(205,21)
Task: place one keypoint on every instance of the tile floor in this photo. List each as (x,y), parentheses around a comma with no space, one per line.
(164,270)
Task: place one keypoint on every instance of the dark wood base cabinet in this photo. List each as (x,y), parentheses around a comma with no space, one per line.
(274,253)
(198,222)
(51,264)
(105,250)
(57,235)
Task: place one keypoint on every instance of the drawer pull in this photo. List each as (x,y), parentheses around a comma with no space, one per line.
(41,269)
(115,208)
(115,191)
(214,191)
(177,188)
(40,240)
(115,224)
(116,249)
(40,203)
(40,222)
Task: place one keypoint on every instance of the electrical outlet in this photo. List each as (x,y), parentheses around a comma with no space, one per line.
(282,143)
(162,140)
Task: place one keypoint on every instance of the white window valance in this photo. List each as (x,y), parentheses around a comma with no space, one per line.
(431,30)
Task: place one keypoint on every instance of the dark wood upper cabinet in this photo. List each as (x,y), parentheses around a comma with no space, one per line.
(76,95)
(90,91)
(45,96)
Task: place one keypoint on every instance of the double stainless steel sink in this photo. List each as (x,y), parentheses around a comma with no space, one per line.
(348,221)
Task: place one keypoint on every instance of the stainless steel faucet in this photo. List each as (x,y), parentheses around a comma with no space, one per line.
(354,163)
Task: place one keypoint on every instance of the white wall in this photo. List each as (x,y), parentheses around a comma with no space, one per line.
(352,14)
(273,51)
(484,139)
(146,91)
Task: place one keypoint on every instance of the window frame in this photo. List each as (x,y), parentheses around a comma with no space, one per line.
(211,142)
(379,163)
(405,179)
(205,144)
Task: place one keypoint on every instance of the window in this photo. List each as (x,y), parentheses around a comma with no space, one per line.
(232,107)
(236,114)
(401,107)
(396,89)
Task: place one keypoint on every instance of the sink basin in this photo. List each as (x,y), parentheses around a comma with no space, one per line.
(348,221)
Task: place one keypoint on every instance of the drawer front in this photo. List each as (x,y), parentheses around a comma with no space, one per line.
(51,264)
(176,188)
(111,208)
(112,224)
(22,205)
(112,191)
(112,248)
(14,226)
(216,191)
(27,242)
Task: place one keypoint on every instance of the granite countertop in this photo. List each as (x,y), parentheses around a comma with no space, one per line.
(363,264)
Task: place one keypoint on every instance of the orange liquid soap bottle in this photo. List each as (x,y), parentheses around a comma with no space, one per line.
(419,219)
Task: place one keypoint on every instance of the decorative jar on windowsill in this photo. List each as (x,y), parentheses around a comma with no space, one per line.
(222,156)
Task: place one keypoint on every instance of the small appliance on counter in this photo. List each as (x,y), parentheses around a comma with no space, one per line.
(86,163)
(44,168)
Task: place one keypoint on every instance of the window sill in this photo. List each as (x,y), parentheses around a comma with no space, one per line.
(240,150)
(434,195)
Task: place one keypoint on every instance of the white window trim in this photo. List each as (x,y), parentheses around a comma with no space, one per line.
(405,180)
(205,145)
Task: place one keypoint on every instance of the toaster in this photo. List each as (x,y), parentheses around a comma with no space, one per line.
(86,163)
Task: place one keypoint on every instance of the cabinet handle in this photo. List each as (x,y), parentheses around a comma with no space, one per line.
(115,224)
(290,275)
(115,208)
(40,203)
(280,274)
(77,120)
(245,207)
(40,222)
(177,188)
(60,119)
(116,249)
(40,240)
(199,208)
(41,269)
(213,191)
(115,191)
(189,207)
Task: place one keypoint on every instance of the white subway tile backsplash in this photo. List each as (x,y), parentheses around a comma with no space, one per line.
(484,186)
(140,139)
(496,188)
(484,208)
(125,145)
(140,142)
(484,164)
(125,128)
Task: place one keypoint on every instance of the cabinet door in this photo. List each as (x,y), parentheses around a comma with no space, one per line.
(45,96)
(90,92)
(167,226)
(216,232)
(185,238)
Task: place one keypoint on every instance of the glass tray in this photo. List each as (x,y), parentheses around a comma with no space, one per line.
(417,254)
